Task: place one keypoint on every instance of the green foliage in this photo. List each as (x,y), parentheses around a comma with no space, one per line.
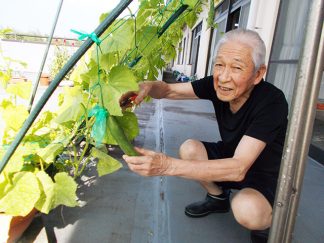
(56,150)
(61,56)
(106,164)
(5,67)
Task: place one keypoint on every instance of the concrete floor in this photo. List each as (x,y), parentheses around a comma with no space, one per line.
(124,207)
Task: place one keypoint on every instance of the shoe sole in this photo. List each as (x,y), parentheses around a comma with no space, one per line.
(204,214)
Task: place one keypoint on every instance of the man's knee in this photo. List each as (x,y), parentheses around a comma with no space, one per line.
(251,209)
(192,149)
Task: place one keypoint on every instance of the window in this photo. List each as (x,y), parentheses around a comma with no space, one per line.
(287,45)
(195,47)
(283,64)
(183,51)
(179,53)
(230,14)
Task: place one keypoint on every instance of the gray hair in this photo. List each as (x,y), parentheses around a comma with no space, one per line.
(247,37)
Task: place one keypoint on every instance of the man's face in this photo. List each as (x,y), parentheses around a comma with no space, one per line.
(234,74)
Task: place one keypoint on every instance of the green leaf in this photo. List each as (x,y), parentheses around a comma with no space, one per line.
(191,3)
(21,196)
(146,39)
(108,60)
(11,118)
(120,80)
(16,162)
(106,164)
(60,192)
(121,39)
(22,89)
(72,108)
(65,190)
(46,200)
(42,122)
(49,153)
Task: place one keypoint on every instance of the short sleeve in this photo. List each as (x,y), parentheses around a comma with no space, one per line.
(270,120)
(204,88)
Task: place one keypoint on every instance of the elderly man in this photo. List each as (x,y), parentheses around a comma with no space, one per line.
(252,120)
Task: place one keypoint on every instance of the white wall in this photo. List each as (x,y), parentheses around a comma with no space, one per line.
(185,67)
(262,18)
(30,53)
(203,48)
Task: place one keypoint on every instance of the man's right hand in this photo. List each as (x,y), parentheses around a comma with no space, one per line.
(135,98)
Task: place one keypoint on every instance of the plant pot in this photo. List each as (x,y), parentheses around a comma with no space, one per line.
(320,106)
(44,80)
(12,227)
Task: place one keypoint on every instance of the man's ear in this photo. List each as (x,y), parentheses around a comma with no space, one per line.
(259,74)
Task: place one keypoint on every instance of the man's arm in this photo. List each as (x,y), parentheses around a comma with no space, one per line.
(160,90)
(229,169)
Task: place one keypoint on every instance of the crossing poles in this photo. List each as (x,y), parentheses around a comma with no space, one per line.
(301,120)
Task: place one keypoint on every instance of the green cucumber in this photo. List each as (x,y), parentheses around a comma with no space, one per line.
(120,137)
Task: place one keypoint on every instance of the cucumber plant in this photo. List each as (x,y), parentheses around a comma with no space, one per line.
(41,174)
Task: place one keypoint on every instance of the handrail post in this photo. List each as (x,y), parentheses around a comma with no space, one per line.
(301,120)
(49,41)
(58,78)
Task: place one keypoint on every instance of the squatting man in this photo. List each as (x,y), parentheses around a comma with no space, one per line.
(252,120)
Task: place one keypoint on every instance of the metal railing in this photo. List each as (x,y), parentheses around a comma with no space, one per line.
(301,120)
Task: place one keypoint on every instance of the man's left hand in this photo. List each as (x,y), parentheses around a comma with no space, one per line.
(148,163)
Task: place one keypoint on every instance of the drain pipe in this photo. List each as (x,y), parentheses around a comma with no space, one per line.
(300,127)
(49,41)
(59,77)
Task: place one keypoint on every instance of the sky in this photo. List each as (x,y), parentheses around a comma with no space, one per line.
(37,16)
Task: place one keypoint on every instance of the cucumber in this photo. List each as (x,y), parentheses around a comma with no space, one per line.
(120,137)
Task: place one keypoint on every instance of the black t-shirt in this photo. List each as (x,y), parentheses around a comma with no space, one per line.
(263,116)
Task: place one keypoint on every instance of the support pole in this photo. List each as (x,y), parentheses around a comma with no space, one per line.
(49,41)
(300,127)
(58,78)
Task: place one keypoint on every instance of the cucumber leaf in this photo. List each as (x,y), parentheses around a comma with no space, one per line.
(60,192)
(119,40)
(106,164)
(65,190)
(49,153)
(10,111)
(21,196)
(46,200)
(71,108)
(22,89)
(120,80)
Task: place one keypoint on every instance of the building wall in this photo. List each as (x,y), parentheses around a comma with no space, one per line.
(262,18)
(203,49)
(185,67)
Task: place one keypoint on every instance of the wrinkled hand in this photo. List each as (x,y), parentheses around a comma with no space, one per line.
(135,98)
(148,163)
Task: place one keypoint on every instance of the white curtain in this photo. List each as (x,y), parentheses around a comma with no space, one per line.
(321,92)
(217,33)
(288,44)
(244,15)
